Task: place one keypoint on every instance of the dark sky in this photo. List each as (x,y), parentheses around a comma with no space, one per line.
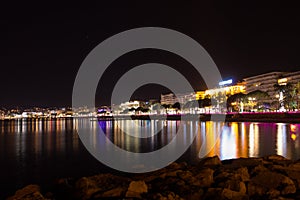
(43,46)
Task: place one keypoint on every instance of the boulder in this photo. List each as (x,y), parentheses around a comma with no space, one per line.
(176,166)
(294,166)
(278,160)
(136,188)
(268,183)
(229,194)
(210,162)
(175,184)
(221,175)
(244,174)
(233,180)
(204,177)
(220,193)
(295,176)
(189,178)
(285,198)
(274,157)
(258,169)
(194,195)
(101,185)
(213,193)
(273,193)
(86,187)
(234,185)
(292,171)
(29,192)
(166,195)
(170,173)
(246,162)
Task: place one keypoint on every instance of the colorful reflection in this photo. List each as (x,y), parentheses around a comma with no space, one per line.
(227,140)
(294,129)
(37,137)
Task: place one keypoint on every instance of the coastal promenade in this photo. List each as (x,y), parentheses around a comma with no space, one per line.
(284,117)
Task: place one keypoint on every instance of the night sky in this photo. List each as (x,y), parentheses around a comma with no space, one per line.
(43,46)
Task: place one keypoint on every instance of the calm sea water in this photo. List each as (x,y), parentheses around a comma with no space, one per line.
(40,151)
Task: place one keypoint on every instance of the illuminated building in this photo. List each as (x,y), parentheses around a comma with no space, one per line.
(282,81)
(227,90)
(220,94)
(130,104)
(168,99)
(184,98)
(263,82)
(127,107)
(200,95)
(291,77)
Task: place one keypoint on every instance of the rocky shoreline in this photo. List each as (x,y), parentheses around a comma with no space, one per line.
(270,177)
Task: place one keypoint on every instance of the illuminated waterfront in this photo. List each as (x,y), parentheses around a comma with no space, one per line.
(40,150)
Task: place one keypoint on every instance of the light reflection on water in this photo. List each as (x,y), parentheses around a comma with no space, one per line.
(35,151)
(237,139)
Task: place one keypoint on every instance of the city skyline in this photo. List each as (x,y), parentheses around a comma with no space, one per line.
(272,91)
(42,49)
(248,84)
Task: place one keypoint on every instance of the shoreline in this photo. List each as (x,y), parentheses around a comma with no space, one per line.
(269,177)
(233,117)
(279,117)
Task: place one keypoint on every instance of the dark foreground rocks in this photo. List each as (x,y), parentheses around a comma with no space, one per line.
(271,177)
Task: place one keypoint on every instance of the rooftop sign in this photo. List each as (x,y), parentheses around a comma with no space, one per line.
(227,82)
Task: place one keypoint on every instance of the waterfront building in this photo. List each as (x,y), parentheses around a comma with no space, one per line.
(168,99)
(291,77)
(221,94)
(184,98)
(227,90)
(200,95)
(130,104)
(264,82)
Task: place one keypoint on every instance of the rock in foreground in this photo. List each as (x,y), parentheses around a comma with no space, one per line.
(270,177)
(28,192)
